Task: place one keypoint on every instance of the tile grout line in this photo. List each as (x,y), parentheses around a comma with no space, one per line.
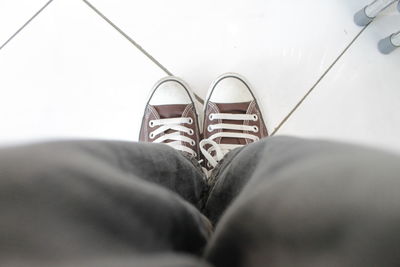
(26,24)
(135,44)
(318,81)
(128,38)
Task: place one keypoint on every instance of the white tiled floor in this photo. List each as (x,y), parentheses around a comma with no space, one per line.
(14,13)
(359,99)
(282,47)
(70,74)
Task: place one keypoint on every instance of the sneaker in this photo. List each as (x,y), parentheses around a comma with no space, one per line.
(170,117)
(232,118)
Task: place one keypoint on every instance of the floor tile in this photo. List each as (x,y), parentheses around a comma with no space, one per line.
(14,14)
(71,75)
(283,47)
(359,100)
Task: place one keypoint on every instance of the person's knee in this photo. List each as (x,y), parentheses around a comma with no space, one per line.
(312,221)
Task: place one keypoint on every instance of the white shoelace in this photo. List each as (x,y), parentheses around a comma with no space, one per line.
(222,149)
(175,124)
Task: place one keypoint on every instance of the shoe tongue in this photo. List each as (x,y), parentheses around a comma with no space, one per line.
(170,111)
(233,108)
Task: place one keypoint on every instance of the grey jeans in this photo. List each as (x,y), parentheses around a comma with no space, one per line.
(279,202)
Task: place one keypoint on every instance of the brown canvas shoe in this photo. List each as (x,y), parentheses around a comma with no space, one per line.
(232,118)
(170,117)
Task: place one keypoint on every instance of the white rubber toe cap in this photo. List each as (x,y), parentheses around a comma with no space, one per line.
(230,89)
(170,92)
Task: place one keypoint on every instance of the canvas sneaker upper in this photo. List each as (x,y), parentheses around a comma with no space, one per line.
(232,118)
(170,117)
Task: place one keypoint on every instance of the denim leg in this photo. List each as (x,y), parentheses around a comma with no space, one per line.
(294,202)
(79,201)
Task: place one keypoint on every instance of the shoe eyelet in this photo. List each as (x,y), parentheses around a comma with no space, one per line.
(255,117)
(191,132)
(151,124)
(208,165)
(211,117)
(192,143)
(210,129)
(190,121)
(151,135)
(255,129)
